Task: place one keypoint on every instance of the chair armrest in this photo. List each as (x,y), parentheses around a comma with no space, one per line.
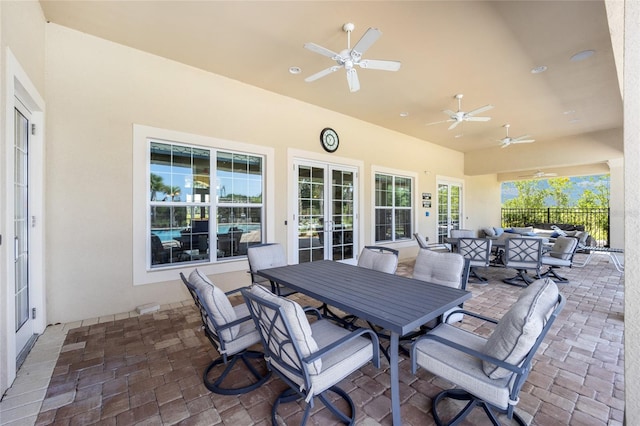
(313,311)
(237,290)
(500,363)
(351,336)
(472,314)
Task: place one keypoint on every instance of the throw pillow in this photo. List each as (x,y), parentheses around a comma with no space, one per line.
(517,331)
(499,231)
(217,303)
(489,231)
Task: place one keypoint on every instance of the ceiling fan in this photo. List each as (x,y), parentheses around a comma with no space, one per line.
(350,58)
(539,174)
(461,116)
(506,141)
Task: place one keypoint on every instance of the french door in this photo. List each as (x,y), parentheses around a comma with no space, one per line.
(22,295)
(449,208)
(326,211)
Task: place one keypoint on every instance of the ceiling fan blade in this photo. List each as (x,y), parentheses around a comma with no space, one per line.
(366,41)
(438,122)
(479,110)
(504,145)
(467,118)
(377,64)
(449,112)
(455,123)
(322,73)
(523,139)
(352,79)
(321,50)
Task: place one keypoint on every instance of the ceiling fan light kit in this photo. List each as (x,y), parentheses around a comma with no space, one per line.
(350,58)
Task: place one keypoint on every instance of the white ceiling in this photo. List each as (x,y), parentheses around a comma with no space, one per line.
(482,49)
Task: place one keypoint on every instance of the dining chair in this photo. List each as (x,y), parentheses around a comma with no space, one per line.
(449,269)
(264,256)
(489,372)
(560,255)
(311,358)
(424,244)
(478,252)
(522,254)
(232,331)
(379,258)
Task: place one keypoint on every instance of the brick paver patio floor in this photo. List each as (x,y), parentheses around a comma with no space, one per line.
(148,369)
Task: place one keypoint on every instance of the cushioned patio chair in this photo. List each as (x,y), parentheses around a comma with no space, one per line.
(312,358)
(450,269)
(478,252)
(378,258)
(490,372)
(523,254)
(560,255)
(264,256)
(424,244)
(463,233)
(231,330)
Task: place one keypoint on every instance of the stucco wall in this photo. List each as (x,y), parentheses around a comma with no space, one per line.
(97,90)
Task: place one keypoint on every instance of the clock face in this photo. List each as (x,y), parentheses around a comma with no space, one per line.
(329,139)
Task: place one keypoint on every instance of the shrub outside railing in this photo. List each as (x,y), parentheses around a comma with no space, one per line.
(595,221)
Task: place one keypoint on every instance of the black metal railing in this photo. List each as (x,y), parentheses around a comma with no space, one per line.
(595,221)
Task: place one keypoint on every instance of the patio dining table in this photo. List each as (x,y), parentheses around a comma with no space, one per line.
(395,303)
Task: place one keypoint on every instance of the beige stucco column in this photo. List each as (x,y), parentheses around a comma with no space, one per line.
(616,203)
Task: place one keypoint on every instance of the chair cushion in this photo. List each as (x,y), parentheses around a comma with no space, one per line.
(264,257)
(460,368)
(563,247)
(378,261)
(217,303)
(517,331)
(422,241)
(439,268)
(299,324)
(499,231)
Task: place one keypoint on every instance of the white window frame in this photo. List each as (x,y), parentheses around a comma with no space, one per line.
(414,200)
(142,272)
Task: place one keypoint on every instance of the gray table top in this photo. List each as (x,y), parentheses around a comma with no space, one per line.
(396,303)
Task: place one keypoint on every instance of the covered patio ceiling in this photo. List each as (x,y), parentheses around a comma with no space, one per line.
(485,50)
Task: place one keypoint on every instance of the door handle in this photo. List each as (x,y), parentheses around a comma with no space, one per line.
(16,244)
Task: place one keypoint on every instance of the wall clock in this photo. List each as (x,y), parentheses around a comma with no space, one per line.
(329,139)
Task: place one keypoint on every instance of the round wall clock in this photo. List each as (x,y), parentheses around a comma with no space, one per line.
(329,139)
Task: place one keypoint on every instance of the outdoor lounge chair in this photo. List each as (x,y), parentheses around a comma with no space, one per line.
(489,372)
(231,330)
(312,358)
(522,254)
(560,255)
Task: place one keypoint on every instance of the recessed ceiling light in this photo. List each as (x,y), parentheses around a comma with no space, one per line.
(569,111)
(580,56)
(404,114)
(538,70)
(575,120)
(295,70)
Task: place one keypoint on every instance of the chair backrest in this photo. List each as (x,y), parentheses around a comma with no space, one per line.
(463,233)
(564,248)
(421,240)
(522,329)
(476,250)
(286,334)
(440,268)
(215,308)
(523,253)
(383,259)
(264,256)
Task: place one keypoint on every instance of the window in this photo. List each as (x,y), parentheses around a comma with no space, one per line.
(205,205)
(393,207)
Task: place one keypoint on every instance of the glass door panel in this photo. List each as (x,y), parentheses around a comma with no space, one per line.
(449,209)
(326,212)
